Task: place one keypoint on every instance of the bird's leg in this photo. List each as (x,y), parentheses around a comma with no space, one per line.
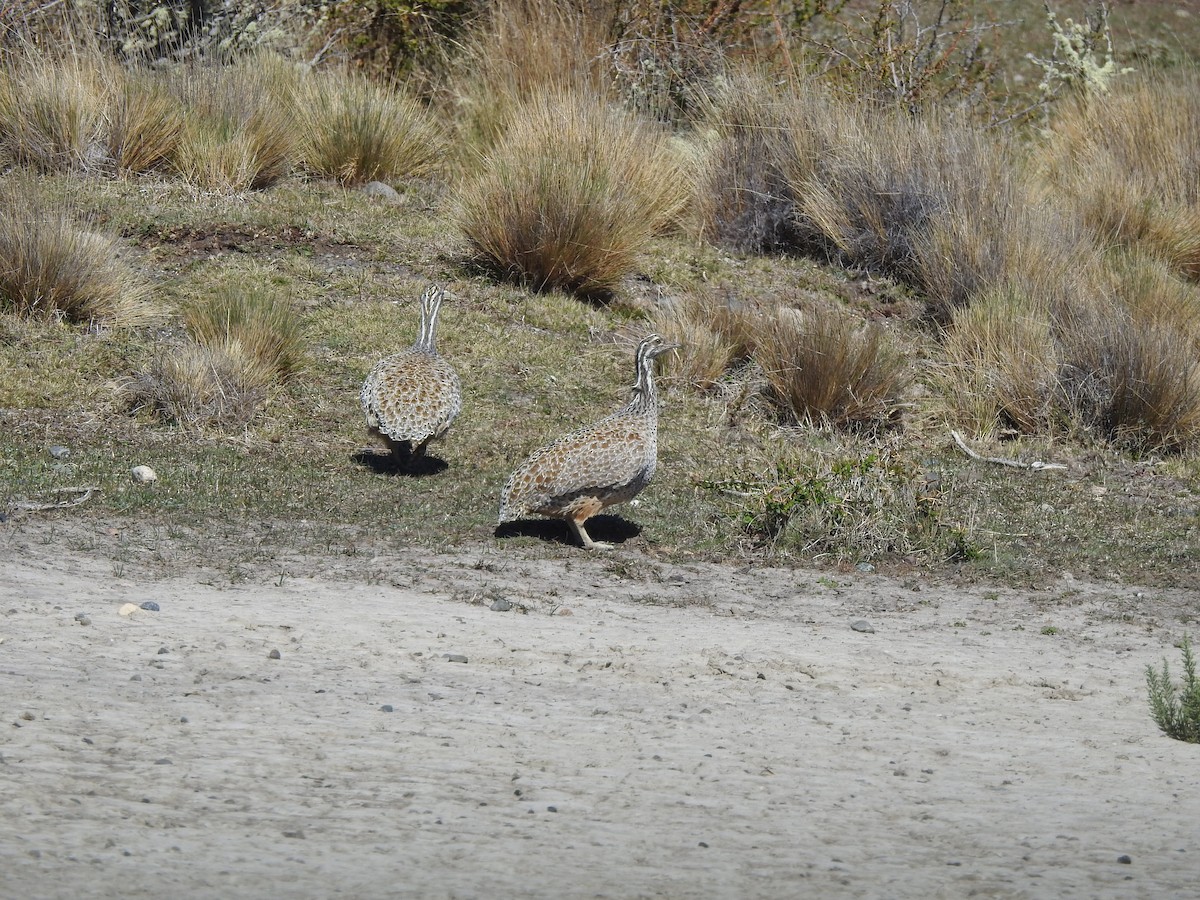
(585,538)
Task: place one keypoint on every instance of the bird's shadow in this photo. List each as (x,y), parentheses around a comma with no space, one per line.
(403,465)
(607,528)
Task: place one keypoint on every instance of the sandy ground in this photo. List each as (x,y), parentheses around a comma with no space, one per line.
(629,728)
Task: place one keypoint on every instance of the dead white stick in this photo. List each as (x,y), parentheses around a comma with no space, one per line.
(84,494)
(1000,461)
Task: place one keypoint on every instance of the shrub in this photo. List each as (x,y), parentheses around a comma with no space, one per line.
(861,506)
(1176,711)
(356,131)
(829,367)
(50,266)
(570,196)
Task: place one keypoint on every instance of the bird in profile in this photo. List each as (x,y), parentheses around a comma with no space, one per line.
(413,396)
(597,466)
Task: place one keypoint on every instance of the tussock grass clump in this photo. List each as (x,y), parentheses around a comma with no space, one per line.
(244,340)
(571,196)
(1176,711)
(196,385)
(1129,161)
(146,123)
(253,320)
(763,137)
(356,131)
(522,50)
(829,367)
(1001,363)
(240,130)
(52,111)
(1135,382)
(50,266)
(718,333)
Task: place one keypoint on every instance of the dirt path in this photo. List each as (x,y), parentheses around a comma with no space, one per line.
(682,732)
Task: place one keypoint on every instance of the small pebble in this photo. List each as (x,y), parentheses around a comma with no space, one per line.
(501,605)
(135,678)
(83,618)
(865,568)
(387,707)
(1125,859)
(58,451)
(274,654)
(150,605)
(454,657)
(863,625)
(163,762)
(703,843)
(88,741)
(162,650)
(551,809)
(127,609)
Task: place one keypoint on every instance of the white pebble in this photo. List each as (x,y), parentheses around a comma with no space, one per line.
(143,474)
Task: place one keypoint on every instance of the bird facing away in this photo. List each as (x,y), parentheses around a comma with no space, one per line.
(600,465)
(411,397)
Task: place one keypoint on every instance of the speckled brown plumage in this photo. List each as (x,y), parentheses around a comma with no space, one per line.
(600,465)
(412,397)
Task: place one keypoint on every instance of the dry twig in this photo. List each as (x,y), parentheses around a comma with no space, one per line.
(84,494)
(1000,461)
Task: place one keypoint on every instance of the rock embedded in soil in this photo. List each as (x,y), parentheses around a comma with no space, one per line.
(151,606)
(454,657)
(58,451)
(863,626)
(143,474)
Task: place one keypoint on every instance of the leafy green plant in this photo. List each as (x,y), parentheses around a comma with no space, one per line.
(848,507)
(1176,710)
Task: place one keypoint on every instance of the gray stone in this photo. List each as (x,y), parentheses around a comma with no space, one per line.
(863,625)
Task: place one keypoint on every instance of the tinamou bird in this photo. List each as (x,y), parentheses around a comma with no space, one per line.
(597,466)
(411,397)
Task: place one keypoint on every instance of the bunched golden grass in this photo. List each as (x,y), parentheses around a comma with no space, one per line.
(355,131)
(51,266)
(570,196)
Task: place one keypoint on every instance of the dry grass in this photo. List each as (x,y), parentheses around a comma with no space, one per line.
(1129,161)
(829,367)
(1136,381)
(571,196)
(1001,364)
(196,385)
(52,111)
(252,320)
(240,131)
(520,51)
(356,131)
(717,333)
(51,266)
(245,338)
(146,123)
(750,126)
